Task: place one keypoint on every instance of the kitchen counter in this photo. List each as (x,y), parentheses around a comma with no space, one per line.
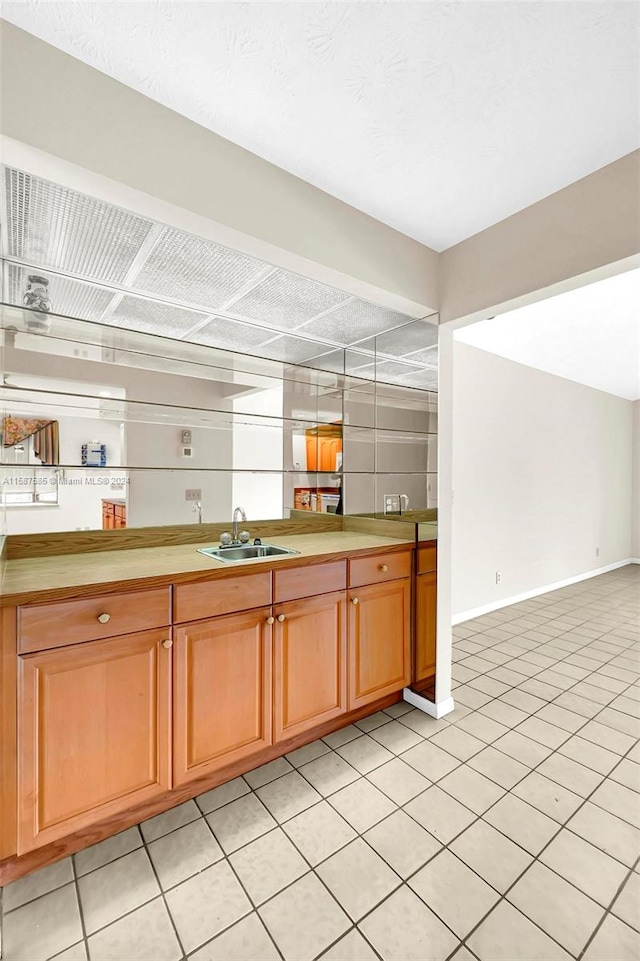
(35,578)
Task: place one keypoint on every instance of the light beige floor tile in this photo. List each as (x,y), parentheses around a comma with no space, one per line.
(398,781)
(607,832)
(309,752)
(544,692)
(36,884)
(628,773)
(522,749)
(585,866)
(352,947)
(523,824)
(169,820)
(627,904)
(116,889)
(77,952)
(607,737)
(557,907)
(489,685)
(503,713)
(319,832)
(329,773)
(239,822)
(425,725)
(570,774)
(560,717)
(342,736)
(543,732)
(362,804)
(399,709)
(247,940)
(594,692)
(619,800)
(364,754)
(440,814)
(144,935)
(206,904)
(403,928)
(372,721)
(454,892)
(507,935)
(222,795)
(42,928)
(430,761)
(614,941)
(504,770)
(108,850)
(472,698)
(472,789)
(267,865)
(483,727)
(591,755)
(396,737)
(552,799)
(402,842)
(358,878)
(184,852)
(491,855)
(288,796)
(579,705)
(304,919)
(268,772)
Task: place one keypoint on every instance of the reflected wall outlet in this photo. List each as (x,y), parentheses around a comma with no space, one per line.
(193,494)
(392,503)
(498,577)
(597,552)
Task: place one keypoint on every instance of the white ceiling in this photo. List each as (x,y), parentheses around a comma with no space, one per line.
(437,118)
(590,335)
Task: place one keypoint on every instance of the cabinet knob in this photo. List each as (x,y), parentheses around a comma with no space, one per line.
(281,618)
(167,643)
(383,567)
(355,600)
(270,620)
(104,618)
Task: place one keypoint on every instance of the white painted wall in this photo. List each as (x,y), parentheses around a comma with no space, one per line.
(542,477)
(258,442)
(635,492)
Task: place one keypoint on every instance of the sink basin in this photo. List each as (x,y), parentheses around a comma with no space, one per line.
(244,552)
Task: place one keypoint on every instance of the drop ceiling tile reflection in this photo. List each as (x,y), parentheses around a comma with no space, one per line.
(291,350)
(153,317)
(394,369)
(419,335)
(427,357)
(70,297)
(285,300)
(232,335)
(353,322)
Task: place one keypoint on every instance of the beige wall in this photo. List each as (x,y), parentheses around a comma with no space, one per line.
(542,475)
(591,224)
(635,502)
(58,105)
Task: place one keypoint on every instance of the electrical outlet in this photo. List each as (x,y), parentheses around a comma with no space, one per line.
(498,577)
(597,552)
(193,494)
(392,503)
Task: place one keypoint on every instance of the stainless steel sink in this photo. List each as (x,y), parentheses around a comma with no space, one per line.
(245,552)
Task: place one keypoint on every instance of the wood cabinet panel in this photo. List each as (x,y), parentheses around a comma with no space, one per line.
(297,582)
(58,623)
(94,736)
(8,741)
(425,626)
(427,560)
(379,568)
(309,663)
(222,692)
(379,640)
(224,595)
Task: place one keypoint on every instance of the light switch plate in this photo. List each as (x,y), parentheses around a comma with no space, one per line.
(193,494)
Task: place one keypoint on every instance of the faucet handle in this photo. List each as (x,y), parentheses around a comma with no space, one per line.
(244,536)
(225,539)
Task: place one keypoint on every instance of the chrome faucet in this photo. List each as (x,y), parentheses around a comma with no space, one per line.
(243,518)
(197,507)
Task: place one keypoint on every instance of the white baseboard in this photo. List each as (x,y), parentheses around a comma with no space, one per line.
(517,598)
(429,707)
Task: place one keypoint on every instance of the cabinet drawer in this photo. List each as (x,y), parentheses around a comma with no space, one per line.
(60,623)
(306,581)
(380,567)
(224,595)
(427,560)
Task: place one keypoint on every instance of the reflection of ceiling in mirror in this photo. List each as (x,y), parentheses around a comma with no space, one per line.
(112,266)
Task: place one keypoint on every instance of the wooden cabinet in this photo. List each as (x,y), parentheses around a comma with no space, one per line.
(222,692)
(309,663)
(93,733)
(425,626)
(379,640)
(114,515)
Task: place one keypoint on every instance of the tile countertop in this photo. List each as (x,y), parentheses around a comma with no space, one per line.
(29,576)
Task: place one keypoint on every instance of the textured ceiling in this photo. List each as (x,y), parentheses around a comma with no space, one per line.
(590,335)
(437,118)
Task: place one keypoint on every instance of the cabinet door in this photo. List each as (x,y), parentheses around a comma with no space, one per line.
(309,663)
(379,640)
(222,692)
(93,733)
(425,635)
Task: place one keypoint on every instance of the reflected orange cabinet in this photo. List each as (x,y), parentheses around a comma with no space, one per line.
(222,692)
(309,663)
(379,640)
(93,733)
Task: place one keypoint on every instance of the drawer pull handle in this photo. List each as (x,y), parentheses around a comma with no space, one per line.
(281,618)
(270,620)
(383,567)
(104,618)
(355,600)
(167,643)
